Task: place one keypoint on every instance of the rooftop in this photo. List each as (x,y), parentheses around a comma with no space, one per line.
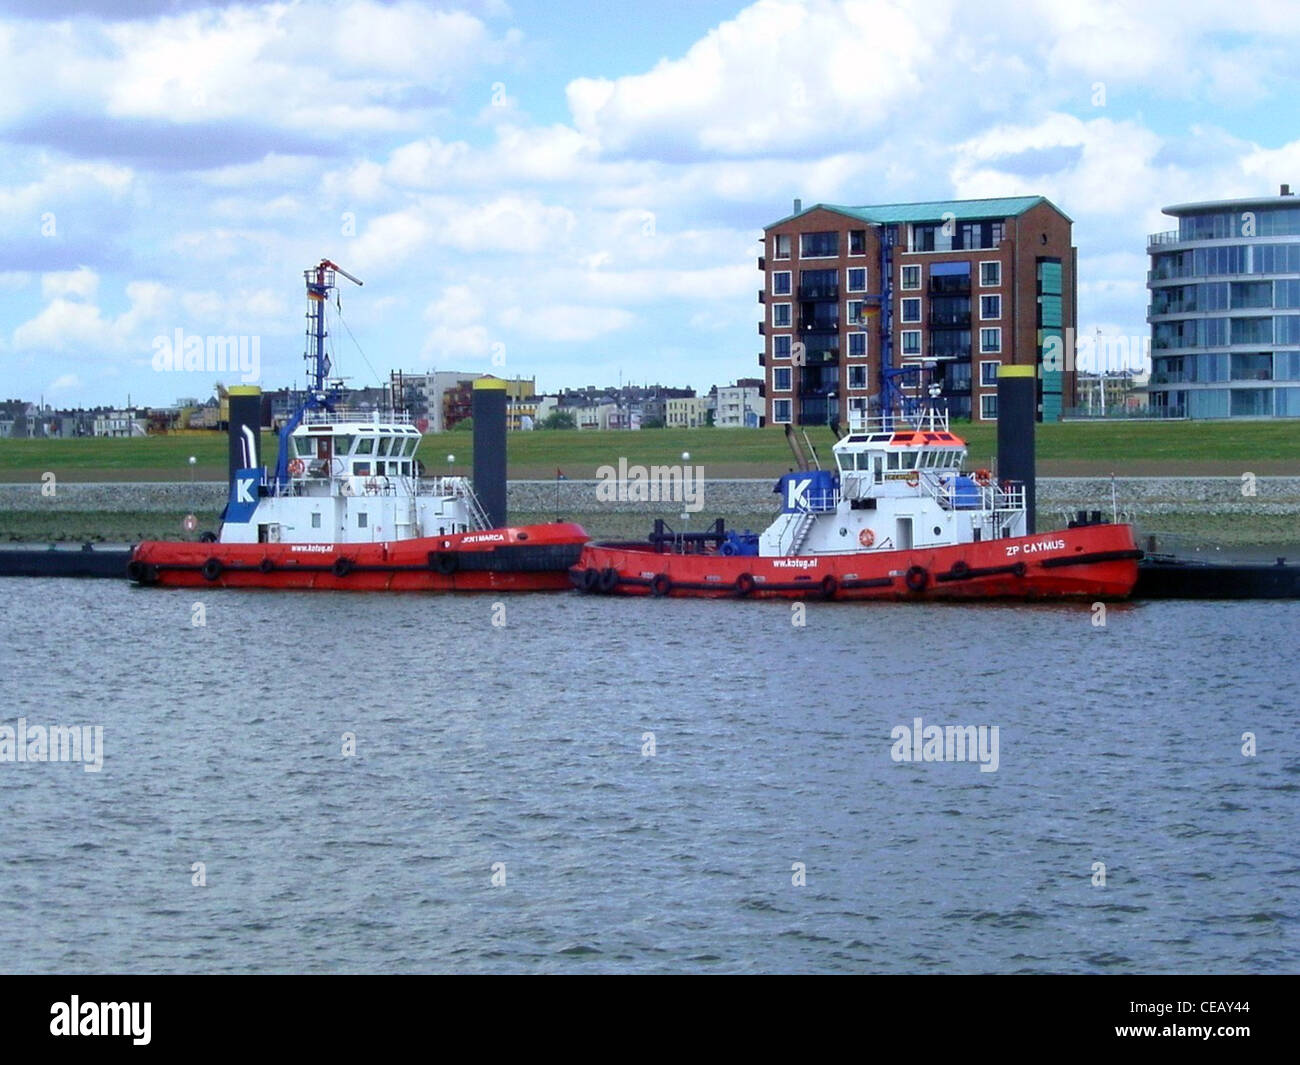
(932,210)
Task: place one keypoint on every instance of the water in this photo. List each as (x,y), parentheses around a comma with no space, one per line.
(522,744)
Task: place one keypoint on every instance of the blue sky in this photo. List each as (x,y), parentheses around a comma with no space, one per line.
(577,187)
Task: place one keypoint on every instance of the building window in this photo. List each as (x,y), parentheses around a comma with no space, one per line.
(781,411)
(781,379)
(991,340)
(990,307)
(857,279)
(857,242)
(857,376)
(857,345)
(911,310)
(990,274)
(781,246)
(781,315)
(781,347)
(856,316)
(819,245)
(910,278)
(989,373)
(989,408)
(781,283)
(911,341)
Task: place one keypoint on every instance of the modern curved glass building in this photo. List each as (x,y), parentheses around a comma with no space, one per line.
(1225,309)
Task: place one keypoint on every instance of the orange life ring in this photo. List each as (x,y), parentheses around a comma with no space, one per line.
(983,477)
(866,538)
(913,479)
(296,467)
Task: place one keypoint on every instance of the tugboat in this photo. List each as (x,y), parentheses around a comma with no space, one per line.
(347,508)
(899,518)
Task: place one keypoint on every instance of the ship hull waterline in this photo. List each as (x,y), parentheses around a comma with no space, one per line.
(523,558)
(1096,562)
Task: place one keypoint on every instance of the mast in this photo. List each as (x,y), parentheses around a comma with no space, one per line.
(320,393)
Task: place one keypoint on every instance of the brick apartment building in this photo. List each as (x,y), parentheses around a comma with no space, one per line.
(970,284)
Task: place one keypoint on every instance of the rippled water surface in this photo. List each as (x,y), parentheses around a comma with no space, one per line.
(523,744)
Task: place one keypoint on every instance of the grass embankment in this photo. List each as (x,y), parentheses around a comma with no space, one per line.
(1069,449)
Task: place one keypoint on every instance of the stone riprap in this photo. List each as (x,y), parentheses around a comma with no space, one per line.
(1135,496)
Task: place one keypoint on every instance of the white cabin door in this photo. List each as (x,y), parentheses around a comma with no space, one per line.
(904,534)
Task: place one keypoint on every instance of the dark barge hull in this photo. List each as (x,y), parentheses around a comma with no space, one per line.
(1167,577)
(64,562)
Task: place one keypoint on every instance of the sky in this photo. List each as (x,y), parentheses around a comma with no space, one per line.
(574,192)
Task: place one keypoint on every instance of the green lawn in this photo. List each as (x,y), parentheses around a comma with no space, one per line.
(1141,448)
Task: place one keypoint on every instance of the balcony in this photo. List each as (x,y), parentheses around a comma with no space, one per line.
(762,296)
(950,320)
(762,358)
(819,292)
(829,357)
(944,352)
(762,329)
(950,286)
(762,263)
(1168,237)
(819,326)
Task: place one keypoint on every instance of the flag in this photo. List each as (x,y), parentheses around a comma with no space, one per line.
(559,474)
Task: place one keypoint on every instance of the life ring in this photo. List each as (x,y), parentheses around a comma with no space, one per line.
(296,467)
(1019,569)
(916,579)
(744,584)
(266,566)
(342,567)
(983,478)
(913,479)
(960,569)
(211,569)
(661,585)
(866,538)
(829,586)
(590,578)
(608,579)
(445,562)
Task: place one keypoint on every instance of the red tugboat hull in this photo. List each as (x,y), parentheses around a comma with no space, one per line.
(526,558)
(1090,562)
